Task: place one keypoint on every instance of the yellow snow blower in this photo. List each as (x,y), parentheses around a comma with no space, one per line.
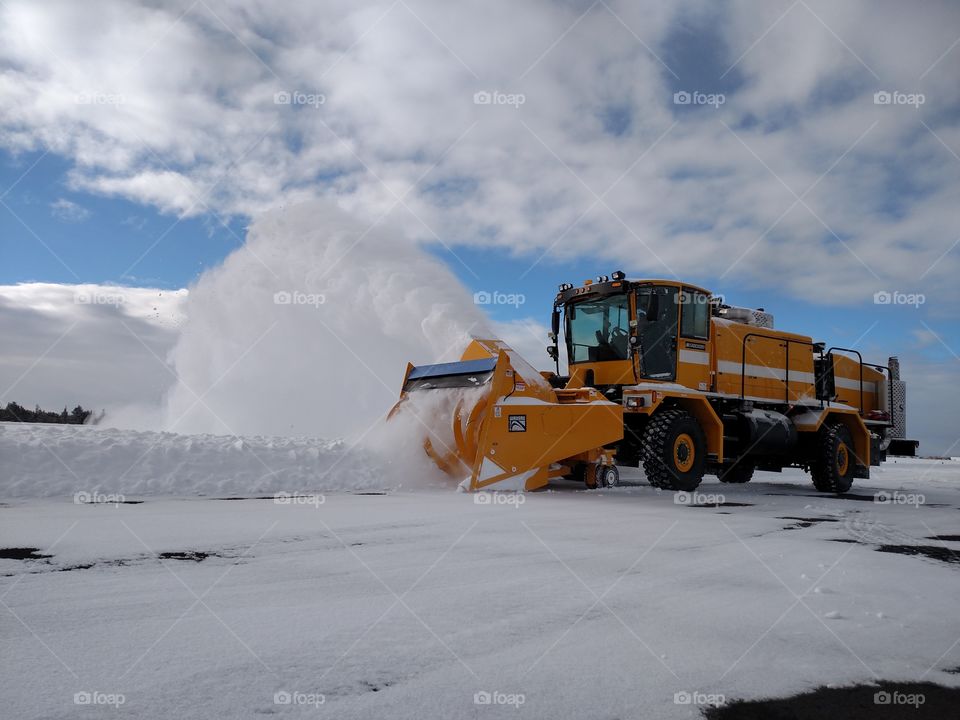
(511,430)
(666,376)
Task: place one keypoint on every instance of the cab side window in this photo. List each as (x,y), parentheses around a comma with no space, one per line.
(694,314)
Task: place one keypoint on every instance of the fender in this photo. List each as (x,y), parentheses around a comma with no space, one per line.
(647,397)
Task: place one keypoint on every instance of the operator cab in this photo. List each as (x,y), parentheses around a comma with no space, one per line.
(622,332)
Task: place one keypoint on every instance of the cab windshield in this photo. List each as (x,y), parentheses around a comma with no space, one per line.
(598,329)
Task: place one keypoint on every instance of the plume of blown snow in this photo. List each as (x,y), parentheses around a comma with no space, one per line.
(307,328)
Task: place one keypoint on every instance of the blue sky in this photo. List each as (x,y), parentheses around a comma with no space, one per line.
(115,243)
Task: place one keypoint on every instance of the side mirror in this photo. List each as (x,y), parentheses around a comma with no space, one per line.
(552,351)
(555,322)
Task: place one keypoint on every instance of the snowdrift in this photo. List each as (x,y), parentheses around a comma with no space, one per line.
(63,460)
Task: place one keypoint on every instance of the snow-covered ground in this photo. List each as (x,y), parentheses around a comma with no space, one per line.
(412,604)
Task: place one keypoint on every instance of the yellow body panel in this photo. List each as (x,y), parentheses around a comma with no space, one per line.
(768,365)
(609,372)
(846,371)
(694,364)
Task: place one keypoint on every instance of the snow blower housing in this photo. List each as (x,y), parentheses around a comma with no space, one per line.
(511,430)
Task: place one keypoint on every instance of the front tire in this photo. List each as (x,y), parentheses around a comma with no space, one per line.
(674,450)
(834,461)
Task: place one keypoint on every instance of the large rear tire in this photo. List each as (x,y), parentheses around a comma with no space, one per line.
(674,450)
(834,461)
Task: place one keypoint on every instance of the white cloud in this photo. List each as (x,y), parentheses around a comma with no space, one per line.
(180,113)
(923,337)
(100,346)
(69,211)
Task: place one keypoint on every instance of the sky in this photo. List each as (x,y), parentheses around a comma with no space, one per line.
(800,156)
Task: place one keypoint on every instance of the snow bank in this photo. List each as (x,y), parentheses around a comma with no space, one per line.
(63,460)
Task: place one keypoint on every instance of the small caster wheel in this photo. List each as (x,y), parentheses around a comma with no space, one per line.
(608,476)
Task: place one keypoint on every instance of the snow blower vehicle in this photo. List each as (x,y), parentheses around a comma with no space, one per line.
(665,376)
(708,387)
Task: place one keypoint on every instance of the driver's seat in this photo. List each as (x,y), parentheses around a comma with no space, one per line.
(619,342)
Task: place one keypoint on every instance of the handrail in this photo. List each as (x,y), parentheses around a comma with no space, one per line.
(872,365)
(881,368)
(786,380)
(860,359)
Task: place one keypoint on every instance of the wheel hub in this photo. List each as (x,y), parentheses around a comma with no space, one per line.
(683,452)
(843,459)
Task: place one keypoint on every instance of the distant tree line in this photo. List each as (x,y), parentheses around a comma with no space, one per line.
(14,412)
